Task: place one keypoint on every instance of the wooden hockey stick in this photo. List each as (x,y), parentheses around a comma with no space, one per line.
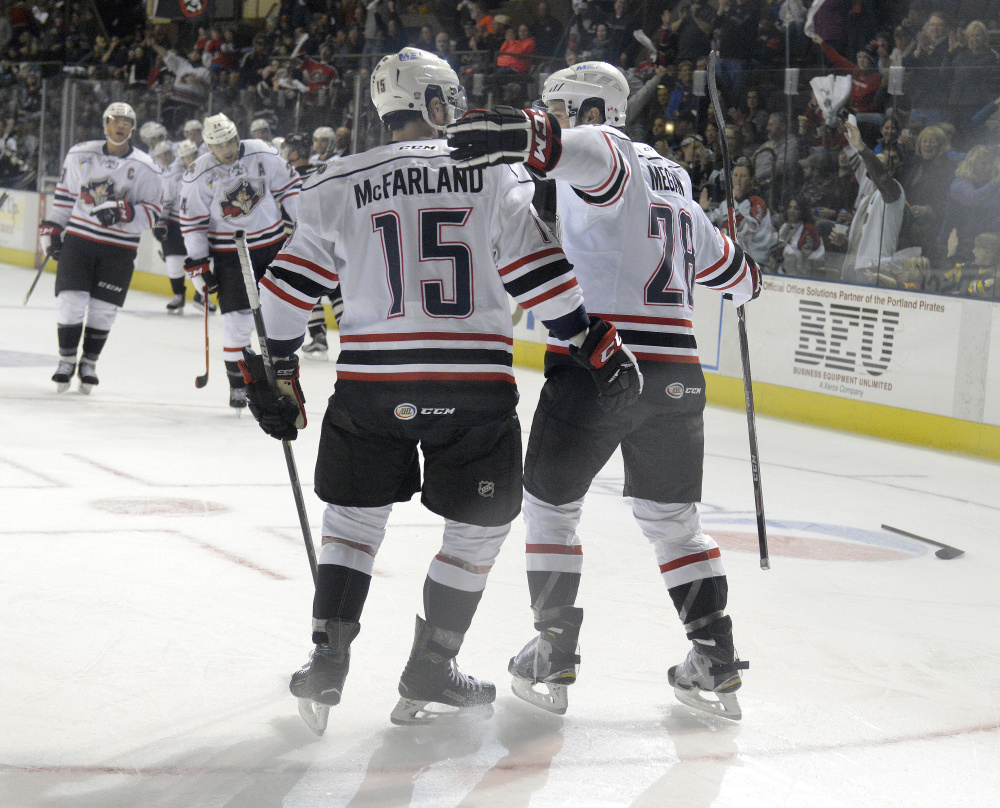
(758,491)
(258,318)
(201,381)
(34,283)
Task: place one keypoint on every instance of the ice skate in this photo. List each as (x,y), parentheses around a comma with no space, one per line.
(432,687)
(176,305)
(317,349)
(550,661)
(64,374)
(237,397)
(709,677)
(88,375)
(320,682)
(199,301)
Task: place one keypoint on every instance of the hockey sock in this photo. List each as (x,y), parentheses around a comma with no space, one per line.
(177,285)
(317,321)
(236,380)
(69,338)
(550,590)
(699,603)
(93,342)
(340,595)
(449,608)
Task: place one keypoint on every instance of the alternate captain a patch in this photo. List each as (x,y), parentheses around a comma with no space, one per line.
(242,199)
(99,191)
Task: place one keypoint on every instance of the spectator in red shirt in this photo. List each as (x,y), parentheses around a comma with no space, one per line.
(866,81)
(515,54)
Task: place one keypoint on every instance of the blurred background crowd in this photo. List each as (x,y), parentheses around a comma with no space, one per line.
(919,78)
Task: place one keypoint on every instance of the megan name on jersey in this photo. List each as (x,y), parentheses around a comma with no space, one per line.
(419,180)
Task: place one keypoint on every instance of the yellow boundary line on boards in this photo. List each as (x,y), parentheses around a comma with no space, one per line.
(877,420)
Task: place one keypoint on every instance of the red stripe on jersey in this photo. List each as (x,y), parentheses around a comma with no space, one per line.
(527,304)
(279,236)
(249,233)
(424,335)
(554,549)
(270,286)
(719,263)
(691,559)
(417,376)
(614,170)
(302,262)
(99,226)
(636,318)
(735,282)
(284,187)
(528,259)
(234,350)
(653,357)
(127,244)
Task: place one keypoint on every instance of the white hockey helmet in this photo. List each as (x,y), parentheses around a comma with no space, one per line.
(152,130)
(323,133)
(576,84)
(261,128)
(186,148)
(401,82)
(218,130)
(194,123)
(119,109)
(278,142)
(162,149)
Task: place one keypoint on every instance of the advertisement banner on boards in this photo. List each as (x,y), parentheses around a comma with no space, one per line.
(880,346)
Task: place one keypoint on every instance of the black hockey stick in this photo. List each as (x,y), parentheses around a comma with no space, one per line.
(758,491)
(201,381)
(3,199)
(946,552)
(34,283)
(251,284)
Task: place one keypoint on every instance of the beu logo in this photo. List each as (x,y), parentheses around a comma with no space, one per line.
(846,338)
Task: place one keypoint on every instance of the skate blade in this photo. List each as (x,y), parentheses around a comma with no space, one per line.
(62,387)
(179,311)
(554,698)
(412,712)
(316,356)
(314,714)
(86,388)
(724,706)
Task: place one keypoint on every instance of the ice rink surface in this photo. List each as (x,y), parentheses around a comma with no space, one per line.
(155,597)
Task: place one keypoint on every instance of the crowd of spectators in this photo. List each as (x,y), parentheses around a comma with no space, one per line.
(922,84)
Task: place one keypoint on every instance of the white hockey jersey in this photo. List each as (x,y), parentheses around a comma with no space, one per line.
(170,177)
(216,200)
(91,177)
(426,254)
(638,242)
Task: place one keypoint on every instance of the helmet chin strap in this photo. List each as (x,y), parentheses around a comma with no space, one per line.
(114,142)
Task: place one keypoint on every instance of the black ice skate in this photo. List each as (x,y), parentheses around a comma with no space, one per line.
(199,301)
(551,660)
(238,397)
(64,374)
(710,675)
(317,349)
(432,687)
(320,682)
(88,375)
(176,305)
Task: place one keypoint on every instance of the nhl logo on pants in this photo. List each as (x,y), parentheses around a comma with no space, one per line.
(486,488)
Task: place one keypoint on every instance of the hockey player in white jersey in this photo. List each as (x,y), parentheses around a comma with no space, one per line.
(107,194)
(168,229)
(240,185)
(426,254)
(638,244)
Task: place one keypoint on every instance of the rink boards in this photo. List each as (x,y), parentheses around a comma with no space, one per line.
(911,367)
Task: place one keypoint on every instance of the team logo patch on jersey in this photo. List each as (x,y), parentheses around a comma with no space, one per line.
(405,412)
(242,199)
(675,390)
(97,192)
(486,488)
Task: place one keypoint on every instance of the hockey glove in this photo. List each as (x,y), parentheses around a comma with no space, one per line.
(611,364)
(114,211)
(50,239)
(281,414)
(756,277)
(201,268)
(160,231)
(506,135)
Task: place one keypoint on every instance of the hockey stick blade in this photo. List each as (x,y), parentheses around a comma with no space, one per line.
(946,552)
